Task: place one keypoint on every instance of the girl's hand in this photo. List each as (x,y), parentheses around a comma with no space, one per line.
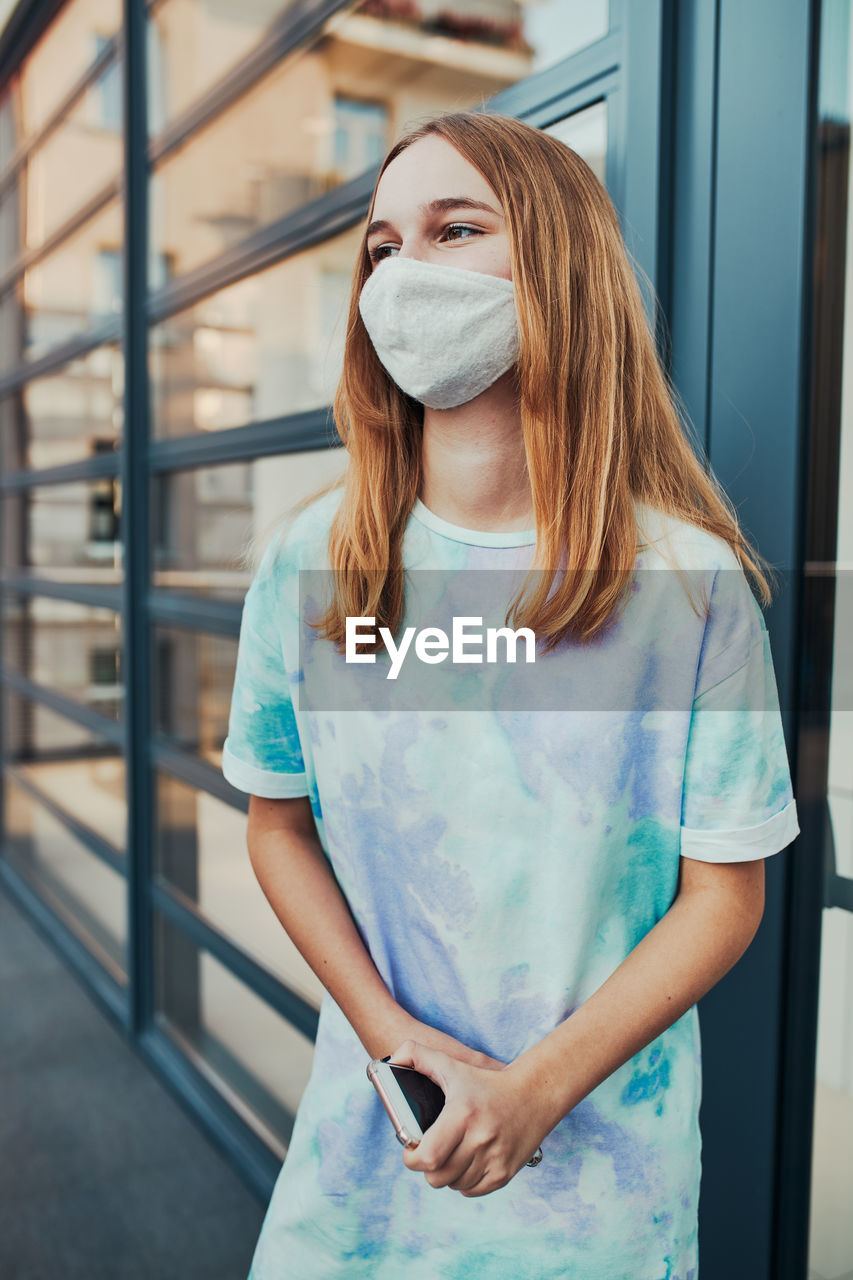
(405,1027)
(486,1132)
(428,1037)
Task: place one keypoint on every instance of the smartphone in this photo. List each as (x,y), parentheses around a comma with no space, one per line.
(412,1100)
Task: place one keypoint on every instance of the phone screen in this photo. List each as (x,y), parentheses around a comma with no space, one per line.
(422,1094)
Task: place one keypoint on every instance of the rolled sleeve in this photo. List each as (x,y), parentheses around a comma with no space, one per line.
(737,800)
(262,753)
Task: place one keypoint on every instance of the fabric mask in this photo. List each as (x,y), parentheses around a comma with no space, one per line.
(443,333)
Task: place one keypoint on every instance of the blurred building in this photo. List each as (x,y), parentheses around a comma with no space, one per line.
(182,190)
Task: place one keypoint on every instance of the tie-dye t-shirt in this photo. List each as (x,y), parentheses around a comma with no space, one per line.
(500,862)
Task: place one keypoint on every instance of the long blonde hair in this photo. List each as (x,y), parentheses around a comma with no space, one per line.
(603,426)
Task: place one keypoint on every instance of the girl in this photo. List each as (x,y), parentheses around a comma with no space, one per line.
(523,902)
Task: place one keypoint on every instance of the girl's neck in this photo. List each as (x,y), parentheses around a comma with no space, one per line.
(473,465)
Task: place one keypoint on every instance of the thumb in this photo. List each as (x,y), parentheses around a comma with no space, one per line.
(430,1062)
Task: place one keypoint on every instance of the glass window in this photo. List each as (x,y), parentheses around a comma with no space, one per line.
(243,171)
(193,679)
(204,522)
(80,887)
(258,1058)
(65,416)
(10,225)
(76,160)
(80,771)
(69,531)
(76,286)
(73,649)
(555,29)
(361,129)
(200,849)
(586,133)
(70,45)
(268,346)
(193,43)
(8,137)
(12,329)
(108,112)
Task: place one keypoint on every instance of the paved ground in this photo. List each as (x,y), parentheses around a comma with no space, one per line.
(103,1175)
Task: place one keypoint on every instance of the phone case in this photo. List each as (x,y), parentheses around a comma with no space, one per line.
(406,1127)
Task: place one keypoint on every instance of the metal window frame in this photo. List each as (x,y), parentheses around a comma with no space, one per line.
(745,93)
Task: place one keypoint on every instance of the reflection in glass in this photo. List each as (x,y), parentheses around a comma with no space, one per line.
(10,221)
(193,676)
(80,887)
(75,161)
(586,133)
(558,28)
(205,523)
(251,1053)
(70,531)
(70,45)
(200,849)
(76,286)
(268,346)
(242,171)
(65,416)
(78,770)
(73,649)
(193,44)
(361,130)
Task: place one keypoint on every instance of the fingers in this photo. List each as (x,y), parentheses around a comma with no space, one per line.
(436,1148)
(446,1159)
(430,1062)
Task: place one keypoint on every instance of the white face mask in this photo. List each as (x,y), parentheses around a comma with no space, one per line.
(443,333)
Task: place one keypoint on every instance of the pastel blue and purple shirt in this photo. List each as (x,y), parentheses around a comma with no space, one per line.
(502,853)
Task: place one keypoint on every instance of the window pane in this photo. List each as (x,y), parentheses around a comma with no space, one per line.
(71,43)
(586,133)
(192,44)
(200,848)
(204,522)
(10,224)
(268,346)
(76,159)
(77,769)
(245,170)
(69,531)
(71,648)
(66,416)
(193,681)
(255,1056)
(77,285)
(557,28)
(87,893)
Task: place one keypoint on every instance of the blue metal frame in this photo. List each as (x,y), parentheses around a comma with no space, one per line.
(741,234)
(135,516)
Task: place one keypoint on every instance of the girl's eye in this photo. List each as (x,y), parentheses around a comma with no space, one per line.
(460,226)
(376,253)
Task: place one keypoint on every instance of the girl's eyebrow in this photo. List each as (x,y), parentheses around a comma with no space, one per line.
(442,205)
